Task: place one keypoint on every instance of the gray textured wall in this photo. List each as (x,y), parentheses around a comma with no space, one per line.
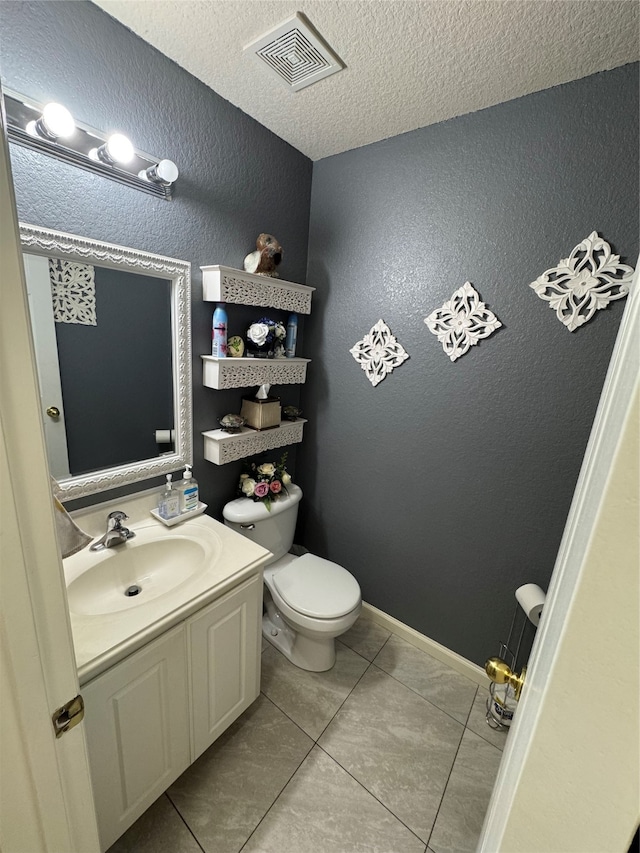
(236,177)
(448,485)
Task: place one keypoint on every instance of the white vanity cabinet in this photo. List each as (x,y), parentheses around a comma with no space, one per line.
(225,284)
(151,715)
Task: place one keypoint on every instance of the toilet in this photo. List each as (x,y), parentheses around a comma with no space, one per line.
(308,601)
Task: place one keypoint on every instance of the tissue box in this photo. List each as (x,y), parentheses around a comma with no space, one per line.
(261,414)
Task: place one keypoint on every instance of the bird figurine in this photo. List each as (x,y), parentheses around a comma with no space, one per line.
(266,258)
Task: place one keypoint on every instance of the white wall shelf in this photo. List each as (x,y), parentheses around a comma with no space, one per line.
(225,284)
(222,373)
(221,447)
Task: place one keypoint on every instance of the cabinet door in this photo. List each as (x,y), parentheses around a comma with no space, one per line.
(137,723)
(224,643)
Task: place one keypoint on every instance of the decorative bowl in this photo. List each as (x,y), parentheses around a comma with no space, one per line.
(291,413)
(232,423)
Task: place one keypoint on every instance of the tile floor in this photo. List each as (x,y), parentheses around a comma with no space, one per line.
(388,752)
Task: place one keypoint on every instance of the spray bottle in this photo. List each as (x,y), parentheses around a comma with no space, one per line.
(219,332)
(292,336)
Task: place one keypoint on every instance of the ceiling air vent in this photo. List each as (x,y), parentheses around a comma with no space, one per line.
(296,53)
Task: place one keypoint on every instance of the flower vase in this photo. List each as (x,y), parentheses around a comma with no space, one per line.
(252,350)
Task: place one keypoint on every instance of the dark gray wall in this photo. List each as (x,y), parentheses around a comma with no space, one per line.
(236,177)
(448,485)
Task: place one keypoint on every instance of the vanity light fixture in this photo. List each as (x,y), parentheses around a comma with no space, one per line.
(52,130)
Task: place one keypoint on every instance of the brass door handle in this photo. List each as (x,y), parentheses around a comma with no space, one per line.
(501,673)
(53,412)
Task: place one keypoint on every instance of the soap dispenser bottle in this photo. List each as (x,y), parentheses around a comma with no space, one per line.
(169,505)
(188,492)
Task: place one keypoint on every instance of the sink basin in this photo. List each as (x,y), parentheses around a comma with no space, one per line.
(172,572)
(135,573)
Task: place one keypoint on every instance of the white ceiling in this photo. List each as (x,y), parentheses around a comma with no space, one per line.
(409,63)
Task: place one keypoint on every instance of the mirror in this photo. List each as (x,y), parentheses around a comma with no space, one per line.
(112,335)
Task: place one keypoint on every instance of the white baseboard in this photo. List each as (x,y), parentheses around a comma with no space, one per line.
(455,661)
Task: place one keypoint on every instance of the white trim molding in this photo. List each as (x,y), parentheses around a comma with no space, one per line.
(465,667)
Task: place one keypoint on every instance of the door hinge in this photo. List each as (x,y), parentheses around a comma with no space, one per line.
(68,716)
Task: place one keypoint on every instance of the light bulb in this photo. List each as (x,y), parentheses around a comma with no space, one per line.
(120,148)
(58,120)
(117,149)
(165,172)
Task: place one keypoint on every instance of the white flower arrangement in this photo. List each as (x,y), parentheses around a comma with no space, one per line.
(265,482)
(266,332)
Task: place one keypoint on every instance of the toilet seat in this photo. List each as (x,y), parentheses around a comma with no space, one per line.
(317,588)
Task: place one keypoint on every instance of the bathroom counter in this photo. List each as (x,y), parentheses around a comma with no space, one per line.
(102,639)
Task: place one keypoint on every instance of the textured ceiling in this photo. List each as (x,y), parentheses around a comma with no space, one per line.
(409,63)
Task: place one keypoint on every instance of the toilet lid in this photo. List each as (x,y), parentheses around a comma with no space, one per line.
(317,587)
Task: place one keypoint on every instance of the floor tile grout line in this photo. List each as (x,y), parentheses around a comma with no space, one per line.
(342,643)
(371,794)
(316,739)
(281,791)
(291,720)
(184,821)
(338,709)
(433,705)
(444,790)
(420,694)
(471,708)
(298,766)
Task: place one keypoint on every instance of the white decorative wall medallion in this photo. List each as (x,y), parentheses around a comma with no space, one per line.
(462,321)
(589,279)
(378,353)
(73,292)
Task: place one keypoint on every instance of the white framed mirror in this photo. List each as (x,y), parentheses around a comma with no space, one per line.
(116,397)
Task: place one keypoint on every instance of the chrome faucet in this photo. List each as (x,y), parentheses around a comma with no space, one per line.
(116,534)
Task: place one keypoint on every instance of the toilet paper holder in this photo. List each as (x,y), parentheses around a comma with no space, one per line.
(506,686)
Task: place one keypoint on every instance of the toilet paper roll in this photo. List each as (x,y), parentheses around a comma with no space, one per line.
(165,436)
(531,598)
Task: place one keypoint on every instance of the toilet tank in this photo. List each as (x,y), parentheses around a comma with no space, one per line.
(273,529)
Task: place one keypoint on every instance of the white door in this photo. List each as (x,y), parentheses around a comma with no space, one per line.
(36,269)
(570,775)
(46,802)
